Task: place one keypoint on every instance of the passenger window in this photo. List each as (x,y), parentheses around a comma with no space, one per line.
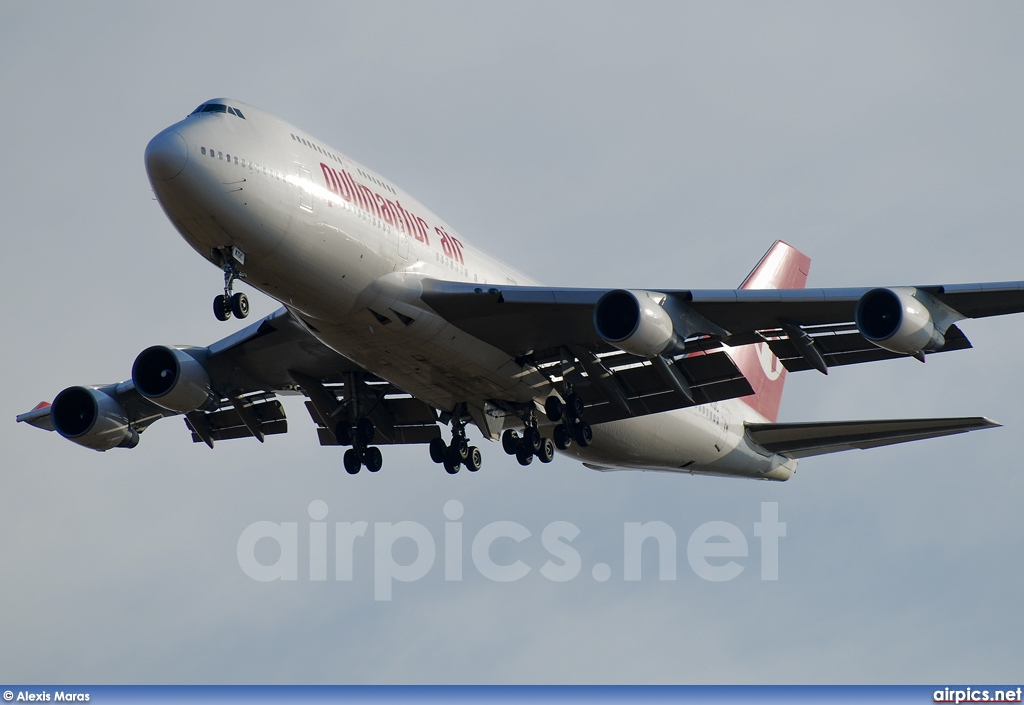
(228,157)
(220,155)
(202,150)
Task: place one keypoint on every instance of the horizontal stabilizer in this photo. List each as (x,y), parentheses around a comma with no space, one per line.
(38,417)
(801,440)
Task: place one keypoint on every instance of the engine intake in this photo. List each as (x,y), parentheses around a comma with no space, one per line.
(635,321)
(899,320)
(172,379)
(92,419)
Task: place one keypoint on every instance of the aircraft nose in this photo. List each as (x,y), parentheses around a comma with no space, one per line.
(166,155)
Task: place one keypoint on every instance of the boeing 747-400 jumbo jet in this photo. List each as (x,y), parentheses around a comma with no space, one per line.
(393,324)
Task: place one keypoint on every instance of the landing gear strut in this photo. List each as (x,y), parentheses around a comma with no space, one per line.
(228,303)
(458,452)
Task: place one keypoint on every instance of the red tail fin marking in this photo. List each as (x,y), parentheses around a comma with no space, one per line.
(782,267)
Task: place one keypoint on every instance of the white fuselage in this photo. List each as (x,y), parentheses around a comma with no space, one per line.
(344,249)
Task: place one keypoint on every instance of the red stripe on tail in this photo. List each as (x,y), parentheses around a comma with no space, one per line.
(782,267)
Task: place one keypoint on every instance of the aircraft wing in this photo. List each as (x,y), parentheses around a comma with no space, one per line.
(801,440)
(556,330)
(525,320)
(247,370)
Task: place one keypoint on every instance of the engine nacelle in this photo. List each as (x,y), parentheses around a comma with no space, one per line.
(899,321)
(635,321)
(171,379)
(92,419)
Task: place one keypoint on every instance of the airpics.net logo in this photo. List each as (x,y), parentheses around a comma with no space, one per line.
(716,551)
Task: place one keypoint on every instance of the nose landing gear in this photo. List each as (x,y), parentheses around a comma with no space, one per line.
(228,303)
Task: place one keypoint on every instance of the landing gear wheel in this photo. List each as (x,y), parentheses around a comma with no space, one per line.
(474,460)
(364,431)
(547,451)
(510,442)
(584,434)
(438,450)
(451,466)
(574,406)
(240,305)
(562,437)
(352,461)
(373,459)
(531,439)
(524,458)
(460,449)
(221,307)
(553,407)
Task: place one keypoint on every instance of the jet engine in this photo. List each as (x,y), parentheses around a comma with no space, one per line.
(171,379)
(92,419)
(899,320)
(635,321)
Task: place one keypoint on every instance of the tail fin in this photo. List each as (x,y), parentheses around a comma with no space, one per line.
(782,267)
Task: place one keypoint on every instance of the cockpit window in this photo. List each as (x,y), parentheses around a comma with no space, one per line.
(217,108)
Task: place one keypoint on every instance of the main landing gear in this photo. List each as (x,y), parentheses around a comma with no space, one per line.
(569,417)
(529,445)
(228,303)
(532,445)
(361,453)
(458,452)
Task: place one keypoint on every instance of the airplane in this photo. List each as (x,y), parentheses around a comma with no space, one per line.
(393,325)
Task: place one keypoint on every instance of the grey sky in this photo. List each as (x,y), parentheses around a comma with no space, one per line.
(631,144)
